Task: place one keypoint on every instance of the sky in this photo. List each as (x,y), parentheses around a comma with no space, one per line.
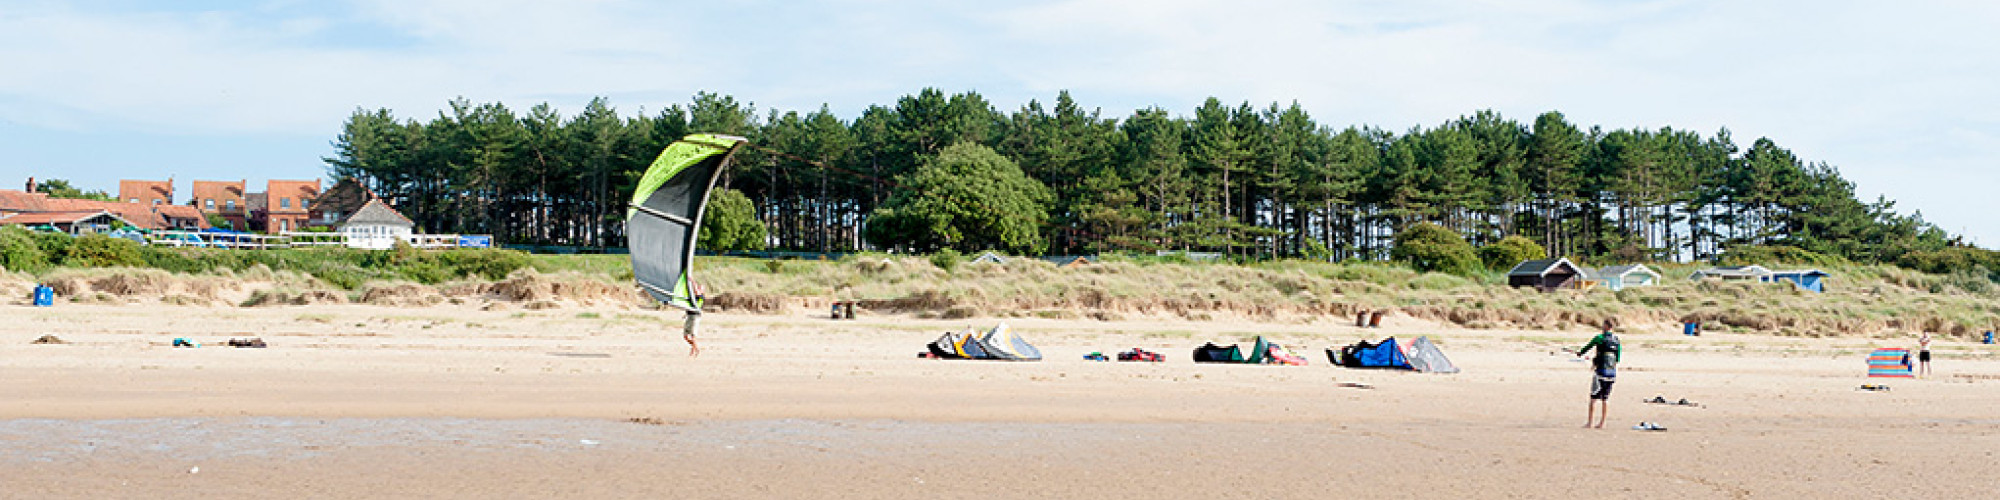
(1899,96)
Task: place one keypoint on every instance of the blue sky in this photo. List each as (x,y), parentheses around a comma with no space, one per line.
(1898,95)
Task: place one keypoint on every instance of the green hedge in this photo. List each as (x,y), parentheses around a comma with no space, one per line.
(25,251)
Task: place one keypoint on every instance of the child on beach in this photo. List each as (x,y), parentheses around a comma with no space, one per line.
(1604,371)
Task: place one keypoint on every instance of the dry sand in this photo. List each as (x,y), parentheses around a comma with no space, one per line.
(355,401)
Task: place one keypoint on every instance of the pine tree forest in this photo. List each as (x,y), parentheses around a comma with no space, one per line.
(1243,180)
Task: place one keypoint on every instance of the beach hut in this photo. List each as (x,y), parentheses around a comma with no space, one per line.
(1620,277)
(1070,261)
(1808,279)
(1545,274)
(1733,273)
(990,257)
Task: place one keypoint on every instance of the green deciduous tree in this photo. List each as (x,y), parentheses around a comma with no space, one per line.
(1507,252)
(967,198)
(1430,247)
(60,188)
(730,224)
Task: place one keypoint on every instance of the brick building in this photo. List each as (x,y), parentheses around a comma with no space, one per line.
(31,208)
(282,206)
(146,192)
(223,198)
(336,203)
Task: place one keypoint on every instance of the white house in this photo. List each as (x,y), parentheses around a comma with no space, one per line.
(375,226)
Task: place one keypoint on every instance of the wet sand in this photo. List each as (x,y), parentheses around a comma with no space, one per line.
(361,401)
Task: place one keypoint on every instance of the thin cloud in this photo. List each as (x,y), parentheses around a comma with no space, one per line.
(1893,93)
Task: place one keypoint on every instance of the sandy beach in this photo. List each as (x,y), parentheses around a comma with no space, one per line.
(355,401)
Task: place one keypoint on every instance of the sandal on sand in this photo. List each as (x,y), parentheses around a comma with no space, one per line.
(1648,426)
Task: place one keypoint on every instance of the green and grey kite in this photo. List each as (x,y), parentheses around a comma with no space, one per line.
(666,211)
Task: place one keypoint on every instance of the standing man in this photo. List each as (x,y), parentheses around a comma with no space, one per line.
(1604,371)
(694,317)
(1924,355)
(687,332)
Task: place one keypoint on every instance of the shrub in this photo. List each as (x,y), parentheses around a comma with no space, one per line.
(1504,254)
(179,260)
(1776,254)
(19,252)
(104,251)
(1948,260)
(1429,247)
(947,259)
(54,245)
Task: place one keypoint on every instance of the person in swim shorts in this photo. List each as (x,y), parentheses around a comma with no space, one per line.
(1924,355)
(1604,372)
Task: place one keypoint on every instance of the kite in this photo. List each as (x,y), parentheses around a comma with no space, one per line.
(664,218)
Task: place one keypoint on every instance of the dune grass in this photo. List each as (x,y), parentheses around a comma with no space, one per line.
(1863,300)
(1860,299)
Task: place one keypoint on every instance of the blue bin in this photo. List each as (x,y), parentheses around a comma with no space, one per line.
(1989,337)
(45,296)
(1691,328)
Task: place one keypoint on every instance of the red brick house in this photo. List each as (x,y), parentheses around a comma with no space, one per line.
(146,192)
(224,198)
(282,206)
(336,203)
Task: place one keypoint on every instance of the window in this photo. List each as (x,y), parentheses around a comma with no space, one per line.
(231,204)
(157,201)
(284,203)
(211,204)
(135,200)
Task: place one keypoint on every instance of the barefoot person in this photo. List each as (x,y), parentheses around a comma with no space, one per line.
(694,318)
(687,333)
(1924,355)
(1604,371)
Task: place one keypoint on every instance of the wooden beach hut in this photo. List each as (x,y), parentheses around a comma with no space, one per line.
(1545,274)
(1620,277)
(1733,273)
(1809,279)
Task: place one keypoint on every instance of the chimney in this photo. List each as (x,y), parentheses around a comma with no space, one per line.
(31,184)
